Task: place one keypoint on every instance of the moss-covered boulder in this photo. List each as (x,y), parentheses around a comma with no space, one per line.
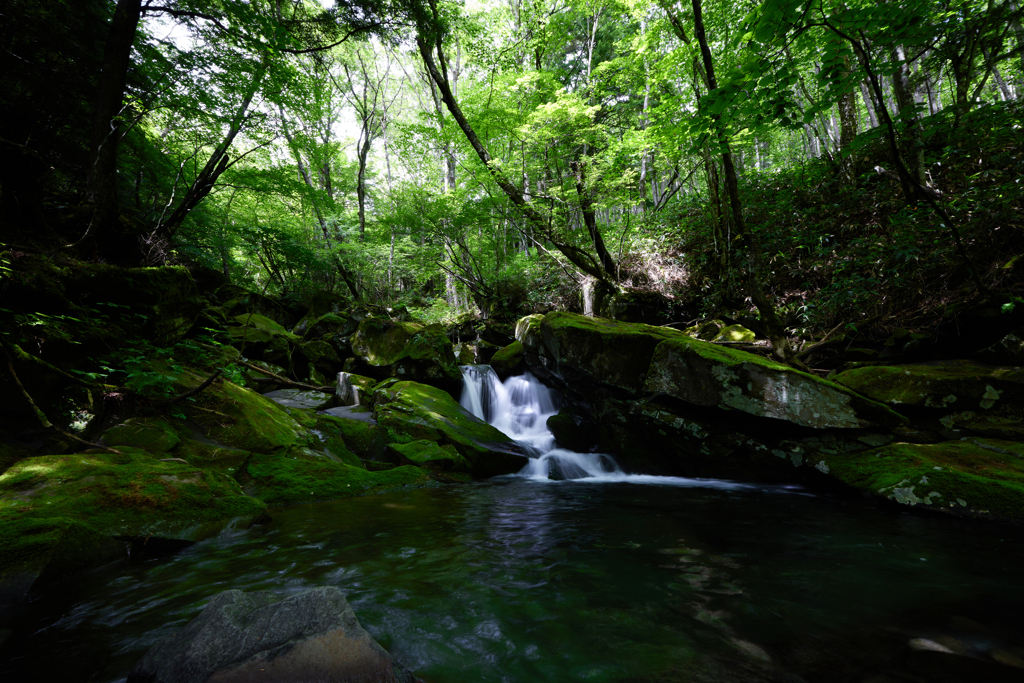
(129,495)
(362,436)
(36,550)
(260,381)
(951,386)
(234,300)
(430,454)
(240,418)
(409,411)
(305,476)
(527,331)
(509,360)
(704,374)
(612,353)
(421,353)
(150,434)
(252,331)
(974,477)
(734,333)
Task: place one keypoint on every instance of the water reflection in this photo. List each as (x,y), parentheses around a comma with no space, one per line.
(509,580)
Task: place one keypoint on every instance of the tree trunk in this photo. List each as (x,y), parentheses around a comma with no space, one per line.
(101,181)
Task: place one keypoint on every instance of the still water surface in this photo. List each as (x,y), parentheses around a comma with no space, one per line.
(520,580)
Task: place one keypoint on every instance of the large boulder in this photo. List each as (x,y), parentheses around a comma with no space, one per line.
(409,411)
(947,387)
(132,494)
(975,477)
(258,336)
(262,636)
(704,374)
(509,360)
(406,350)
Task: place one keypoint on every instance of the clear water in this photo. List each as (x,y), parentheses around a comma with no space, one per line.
(519,580)
(600,576)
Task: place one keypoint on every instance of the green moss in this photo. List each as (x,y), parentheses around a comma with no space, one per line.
(431,455)
(614,353)
(211,456)
(10,454)
(150,434)
(409,411)
(243,419)
(305,478)
(980,477)
(365,439)
(252,328)
(34,548)
(508,359)
(328,433)
(952,386)
(126,495)
(735,333)
(712,375)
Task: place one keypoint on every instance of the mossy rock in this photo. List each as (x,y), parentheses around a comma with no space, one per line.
(352,389)
(527,331)
(431,455)
(328,323)
(973,478)
(304,476)
(950,386)
(363,438)
(329,432)
(707,330)
(210,455)
(322,355)
(616,354)
(10,454)
(235,300)
(253,328)
(705,374)
(735,333)
(36,550)
(133,494)
(406,350)
(409,411)
(242,419)
(149,434)
(465,354)
(509,360)
(572,432)
(251,375)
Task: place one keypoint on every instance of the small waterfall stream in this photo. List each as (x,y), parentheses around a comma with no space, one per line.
(520,408)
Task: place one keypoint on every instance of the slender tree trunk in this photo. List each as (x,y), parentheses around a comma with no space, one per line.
(437,70)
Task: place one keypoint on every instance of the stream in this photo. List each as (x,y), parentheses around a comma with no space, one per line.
(597,576)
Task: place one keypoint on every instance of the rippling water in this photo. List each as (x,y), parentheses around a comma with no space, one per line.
(519,580)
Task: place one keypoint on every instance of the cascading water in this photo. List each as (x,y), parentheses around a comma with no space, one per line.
(520,408)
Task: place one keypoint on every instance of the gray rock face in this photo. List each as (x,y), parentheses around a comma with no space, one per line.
(302,638)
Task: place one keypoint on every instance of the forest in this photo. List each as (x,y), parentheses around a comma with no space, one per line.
(608,340)
(806,165)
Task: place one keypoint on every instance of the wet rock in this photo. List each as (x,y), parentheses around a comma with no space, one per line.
(303,400)
(352,389)
(308,636)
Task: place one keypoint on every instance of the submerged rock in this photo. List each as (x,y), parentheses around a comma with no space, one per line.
(261,636)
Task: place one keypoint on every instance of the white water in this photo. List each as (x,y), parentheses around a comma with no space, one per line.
(520,408)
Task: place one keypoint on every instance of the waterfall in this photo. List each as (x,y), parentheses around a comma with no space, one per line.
(520,408)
